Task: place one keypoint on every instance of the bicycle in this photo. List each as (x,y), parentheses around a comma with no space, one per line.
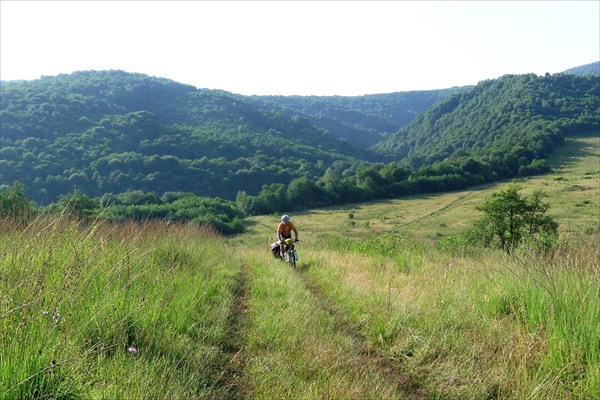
(290,255)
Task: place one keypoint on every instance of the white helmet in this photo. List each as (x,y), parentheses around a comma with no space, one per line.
(285,218)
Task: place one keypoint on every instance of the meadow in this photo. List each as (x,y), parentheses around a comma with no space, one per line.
(378,308)
(114,311)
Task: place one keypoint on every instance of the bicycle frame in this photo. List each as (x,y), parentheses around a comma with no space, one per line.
(289,254)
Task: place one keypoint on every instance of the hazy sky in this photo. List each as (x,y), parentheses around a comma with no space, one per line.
(300,47)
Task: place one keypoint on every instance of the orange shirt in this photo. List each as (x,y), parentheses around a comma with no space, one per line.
(286,229)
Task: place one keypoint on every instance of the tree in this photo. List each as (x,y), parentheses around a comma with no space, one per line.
(303,191)
(274,197)
(14,205)
(77,205)
(245,203)
(512,217)
(535,216)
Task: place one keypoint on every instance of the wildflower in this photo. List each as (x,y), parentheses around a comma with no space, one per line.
(45,312)
(55,316)
(132,350)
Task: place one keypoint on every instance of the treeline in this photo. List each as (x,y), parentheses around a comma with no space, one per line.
(221,215)
(379,181)
(368,182)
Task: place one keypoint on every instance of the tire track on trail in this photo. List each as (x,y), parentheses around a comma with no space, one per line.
(231,378)
(367,356)
(445,207)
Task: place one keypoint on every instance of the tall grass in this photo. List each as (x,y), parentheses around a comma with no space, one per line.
(404,252)
(112,311)
(557,294)
(495,326)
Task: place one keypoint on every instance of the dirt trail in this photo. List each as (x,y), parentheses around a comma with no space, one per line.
(231,379)
(367,356)
(445,207)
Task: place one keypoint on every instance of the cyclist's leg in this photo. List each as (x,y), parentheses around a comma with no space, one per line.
(282,245)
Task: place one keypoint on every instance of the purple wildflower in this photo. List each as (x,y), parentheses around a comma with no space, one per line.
(132,350)
(45,312)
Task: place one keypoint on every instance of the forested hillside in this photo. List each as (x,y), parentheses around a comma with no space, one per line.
(113,131)
(585,70)
(109,133)
(361,120)
(513,120)
(500,129)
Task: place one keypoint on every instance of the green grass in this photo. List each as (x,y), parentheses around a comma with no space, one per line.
(496,326)
(76,299)
(294,347)
(557,296)
(458,322)
(384,304)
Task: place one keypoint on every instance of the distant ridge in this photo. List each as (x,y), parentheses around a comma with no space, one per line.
(361,120)
(592,69)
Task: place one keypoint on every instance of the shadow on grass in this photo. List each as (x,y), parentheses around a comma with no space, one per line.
(304,266)
(572,150)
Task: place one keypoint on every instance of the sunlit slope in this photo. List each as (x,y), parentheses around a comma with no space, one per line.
(573,190)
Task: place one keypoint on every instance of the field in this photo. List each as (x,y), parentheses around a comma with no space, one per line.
(573,189)
(377,308)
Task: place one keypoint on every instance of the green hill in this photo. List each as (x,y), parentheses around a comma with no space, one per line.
(112,131)
(512,121)
(587,69)
(361,120)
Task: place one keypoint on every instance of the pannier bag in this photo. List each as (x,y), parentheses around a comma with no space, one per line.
(275,249)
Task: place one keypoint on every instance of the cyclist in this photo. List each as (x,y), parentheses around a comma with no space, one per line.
(284,231)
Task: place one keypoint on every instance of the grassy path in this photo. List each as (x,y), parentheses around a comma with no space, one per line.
(386,366)
(296,347)
(231,377)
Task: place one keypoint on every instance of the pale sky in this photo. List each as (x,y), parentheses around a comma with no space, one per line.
(300,47)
